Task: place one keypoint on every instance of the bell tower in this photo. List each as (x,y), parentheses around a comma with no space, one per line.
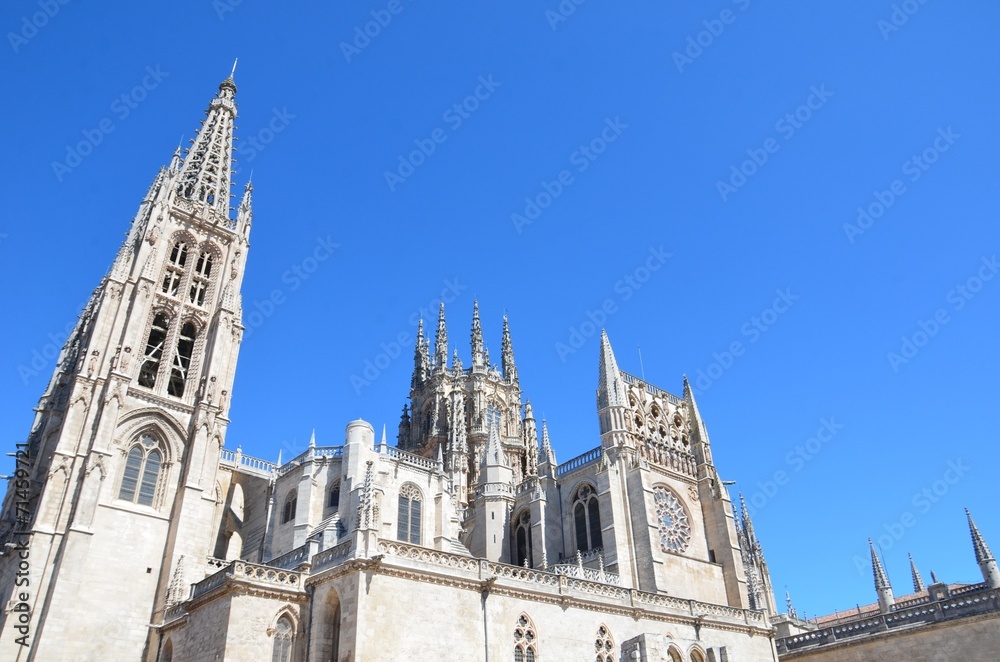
(121,459)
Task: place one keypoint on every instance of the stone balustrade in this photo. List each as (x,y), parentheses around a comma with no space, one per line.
(580,461)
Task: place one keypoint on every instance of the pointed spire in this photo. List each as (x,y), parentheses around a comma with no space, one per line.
(206,175)
(983,552)
(507,353)
(176,160)
(494,455)
(421,358)
(984,557)
(312,439)
(788,603)
(610,385)
(478,357)
(918,581)
(547,455)
(441,340)
(747,522)
(881,579)
(244,215)
(882,586)
(366,500)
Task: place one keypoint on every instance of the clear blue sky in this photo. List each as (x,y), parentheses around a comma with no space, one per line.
(836,99)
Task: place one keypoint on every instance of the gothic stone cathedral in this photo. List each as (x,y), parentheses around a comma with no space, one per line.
(466,536)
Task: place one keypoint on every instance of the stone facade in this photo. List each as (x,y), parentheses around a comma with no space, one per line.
(465,535)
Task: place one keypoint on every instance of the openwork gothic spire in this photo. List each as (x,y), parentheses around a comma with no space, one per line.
(206,174)
(477,338)
(507,353)
(441,340)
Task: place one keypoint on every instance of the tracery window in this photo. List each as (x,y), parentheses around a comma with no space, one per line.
(525,640)
(408,522)
(675,655)
(142,471)
(182,360)
(696,656)
(200,278)
(522,540)
(587,519)
(154,351)
(288,512)
(283,639)
(175,269)
(604,645)
(334,501)
(671,520)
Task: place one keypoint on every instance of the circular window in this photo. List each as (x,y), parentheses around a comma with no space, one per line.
(672,521)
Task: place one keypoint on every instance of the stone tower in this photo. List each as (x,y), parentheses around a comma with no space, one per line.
(452,408)
(122,455)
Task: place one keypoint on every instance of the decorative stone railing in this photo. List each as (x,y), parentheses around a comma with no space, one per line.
(238,460)
(652,390)
(311,453)
(331,557)
(580,460)
(590,574)
(213,562)
(970,603)
(257,574)
(567,587)
(291,559)
(494,489)
(407,458)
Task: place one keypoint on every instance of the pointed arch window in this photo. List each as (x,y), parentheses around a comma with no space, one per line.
(522,540)
(409,514)
(142,471)
(283,639)
(154,351)
(200,278)
(182,360)
(408,522)
(674,655)
(175,269)
(697,656)
(288,512)
(525,640)
(334,501)
(604,645)
(587,519)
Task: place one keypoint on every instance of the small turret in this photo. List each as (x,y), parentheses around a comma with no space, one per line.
(885,599)
(984,557)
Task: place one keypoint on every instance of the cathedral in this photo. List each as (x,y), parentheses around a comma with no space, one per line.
(131,532)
